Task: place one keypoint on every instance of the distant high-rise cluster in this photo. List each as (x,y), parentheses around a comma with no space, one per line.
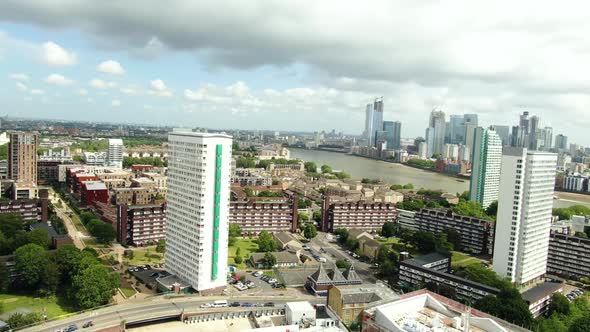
(529,134)
(379,133)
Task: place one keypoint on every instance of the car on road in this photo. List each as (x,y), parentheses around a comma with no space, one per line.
(234,304)
(257,274)
(71,328)
(247,304)
(88,324)
(206,305)
(269,304)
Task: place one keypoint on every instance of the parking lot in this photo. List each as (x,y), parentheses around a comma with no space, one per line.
(148,274)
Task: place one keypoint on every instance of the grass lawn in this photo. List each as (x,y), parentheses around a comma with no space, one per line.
(147,255)
(128,291)
(270,273)
(53,306)
(78,224)
(247,246)
(395,244)
(460,259)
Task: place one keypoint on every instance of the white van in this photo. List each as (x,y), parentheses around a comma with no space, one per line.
(322,260)
(220,304)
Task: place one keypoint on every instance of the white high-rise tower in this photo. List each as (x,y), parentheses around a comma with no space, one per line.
(199,168)
(115,153)
(525,201)
(485,169)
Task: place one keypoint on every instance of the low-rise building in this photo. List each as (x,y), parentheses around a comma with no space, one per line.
(348,302)
(287,241)
(434,268)
(322,280)
(477,235)
(137,195)
(369,247)
(251,177)
(31,210)
(426,311)
(539,297)
(366,216)
(277,214)
(284,259)
(141,225)
(568,256)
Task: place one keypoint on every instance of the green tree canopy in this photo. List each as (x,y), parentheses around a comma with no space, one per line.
(10,223)
(94,286)
(67,258)
(235,230)
(266,243)
(269,260)
(342,234)
(326,169)
(471,209)
(310,167)
(388,229)
(309,231)
(559,304)
(161,246)
(40,237)
(30,261)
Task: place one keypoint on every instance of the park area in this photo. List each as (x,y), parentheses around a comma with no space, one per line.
(246,247)
(12,303)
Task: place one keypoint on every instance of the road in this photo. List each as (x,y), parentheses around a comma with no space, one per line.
(132,312)
(335,252)
(62,213)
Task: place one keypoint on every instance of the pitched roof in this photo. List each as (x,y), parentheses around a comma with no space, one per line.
(350,274)
(320,275)
(355,232)
(284,238)
(336,275)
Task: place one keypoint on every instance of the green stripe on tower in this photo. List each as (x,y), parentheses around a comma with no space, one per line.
(216,210)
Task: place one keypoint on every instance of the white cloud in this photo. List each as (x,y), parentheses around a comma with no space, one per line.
(110,67)
(55,55)
(21,86)
(130,90)
(19,77)
(37,92)
(82,92)
(159,88)
(116,103)
(57,79)
(100,84)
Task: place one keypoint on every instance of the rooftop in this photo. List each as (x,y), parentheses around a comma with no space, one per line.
(541,290)
(427,259)
(188,132)
(95,185)
(281,256)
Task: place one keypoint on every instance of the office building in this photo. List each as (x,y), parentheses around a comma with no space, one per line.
(115,153)
(527,180)
(373,120)
(22,157)
(561,142)
(503,132)
(476,234)
(392,131)
(438,123)
(485,170)
(423,150)
(141,225)
(456,130)
(199,173)
(429,142)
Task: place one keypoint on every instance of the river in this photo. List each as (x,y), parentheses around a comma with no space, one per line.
(359,167)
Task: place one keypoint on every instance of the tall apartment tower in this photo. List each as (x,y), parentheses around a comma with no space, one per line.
(521,243)
(485,169)
(22,156)
(199,171)
(392,131)
(115,152)
(437,121)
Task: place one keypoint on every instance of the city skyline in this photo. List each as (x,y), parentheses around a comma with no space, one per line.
(172,73)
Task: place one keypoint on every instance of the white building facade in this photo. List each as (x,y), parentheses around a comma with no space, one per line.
(524,214)
(115,153)
(199,173)
(485,169)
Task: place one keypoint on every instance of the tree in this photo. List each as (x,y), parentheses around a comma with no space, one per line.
(342,264)
(342,234)
(453,237)
(442,244)
(40,237)
(94,286)
(326,169)
(582,235)
(30,261)
(492,209)
(470,209)
(234,230)
(4,280)
(302,216)
(317,216)
(85,217)
(10,223)
(238,251)
(425,242)
(238,259)
(18,319)
(310,231)
(388,230)
(310,167)
(559,304)
(342,175)
(67,258)
(103,232)
(161,246)
(266,243)
(406,235)
(49,280)
(270,260)
(581,324)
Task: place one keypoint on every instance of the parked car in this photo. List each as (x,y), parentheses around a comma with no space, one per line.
(234,304)
(257,274)
(206,305)
(269,304)
(247,304)
(154,275)
(88,324)
(71,328)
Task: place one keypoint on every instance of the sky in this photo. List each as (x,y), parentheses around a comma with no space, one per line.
(300,65)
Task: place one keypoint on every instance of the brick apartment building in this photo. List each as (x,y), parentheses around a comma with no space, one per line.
(31,210)
(568,256)
(369,217)
(277,214)
(477,235)
(93,191)
(140,225)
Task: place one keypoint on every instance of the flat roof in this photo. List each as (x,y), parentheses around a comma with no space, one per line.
(300,306)
(541,290)
(95,185)
(115,141)
(188,132)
